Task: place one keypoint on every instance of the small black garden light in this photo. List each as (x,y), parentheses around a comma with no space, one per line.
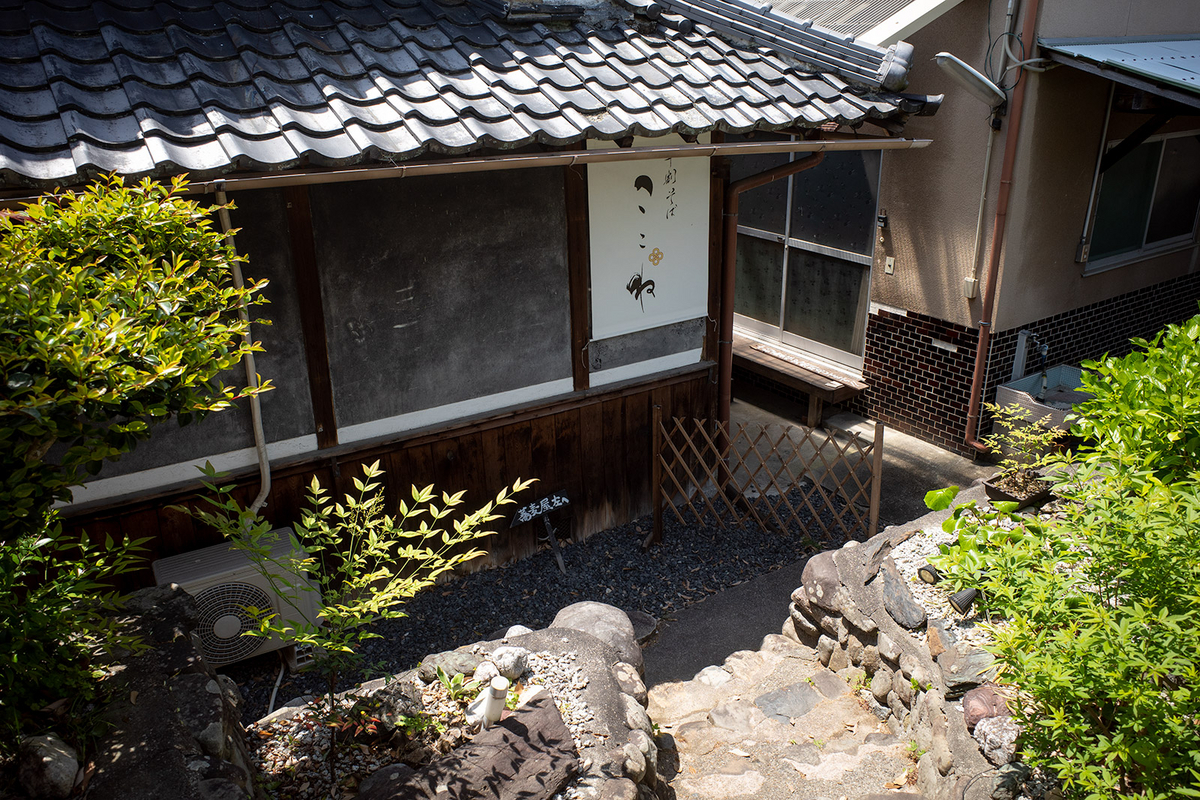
(929,573)
(962,601)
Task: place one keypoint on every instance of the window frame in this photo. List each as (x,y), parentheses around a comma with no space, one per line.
(838,357)
(1146,251)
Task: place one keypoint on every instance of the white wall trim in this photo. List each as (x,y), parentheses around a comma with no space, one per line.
(644,368)
(184,471)
(188,471)
(453,411)
(875,308)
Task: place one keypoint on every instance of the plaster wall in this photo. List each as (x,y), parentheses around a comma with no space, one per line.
(931,196)
(1060,143)
(1078,18)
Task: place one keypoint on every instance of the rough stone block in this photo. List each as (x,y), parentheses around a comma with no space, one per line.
(607,623)
(530,752)
(825,648)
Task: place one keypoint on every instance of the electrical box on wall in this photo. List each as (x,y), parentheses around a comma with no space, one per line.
(970,287)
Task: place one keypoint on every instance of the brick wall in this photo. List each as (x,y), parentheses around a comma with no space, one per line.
(918,368)
(1091,331)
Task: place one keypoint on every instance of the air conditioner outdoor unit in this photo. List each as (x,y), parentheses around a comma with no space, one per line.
(225,583)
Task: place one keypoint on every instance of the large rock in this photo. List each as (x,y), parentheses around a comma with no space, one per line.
(391,703)
(898,598)
(607,623)
(997,737)
(965,667)
(821,581)
(527,754)
(47,766)
(452,662)
(790,702)
(981,703)
(510,661)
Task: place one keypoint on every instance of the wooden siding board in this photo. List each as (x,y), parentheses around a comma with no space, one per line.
(595,449)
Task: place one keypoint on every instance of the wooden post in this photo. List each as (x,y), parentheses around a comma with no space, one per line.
(578,272)
(656,532)
(312,314)
(876,479)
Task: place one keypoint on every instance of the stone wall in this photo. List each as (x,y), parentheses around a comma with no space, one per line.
(854,607)
(175,729)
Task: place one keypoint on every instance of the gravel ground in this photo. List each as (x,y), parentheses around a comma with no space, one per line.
(693,562)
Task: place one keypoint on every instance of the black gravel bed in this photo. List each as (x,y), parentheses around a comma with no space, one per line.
(693,561)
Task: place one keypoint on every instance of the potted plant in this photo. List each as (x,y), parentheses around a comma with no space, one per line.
(1024,447)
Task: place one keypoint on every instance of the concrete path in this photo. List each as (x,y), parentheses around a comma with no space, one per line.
(773,724)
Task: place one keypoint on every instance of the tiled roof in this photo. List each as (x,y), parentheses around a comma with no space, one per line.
(163,86)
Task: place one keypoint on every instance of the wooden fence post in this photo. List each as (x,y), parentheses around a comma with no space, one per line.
(876,479)
(656,533)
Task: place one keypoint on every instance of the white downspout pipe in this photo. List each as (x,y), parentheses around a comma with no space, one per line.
(260,441)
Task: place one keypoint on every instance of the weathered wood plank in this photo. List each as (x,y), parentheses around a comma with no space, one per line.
(312,313)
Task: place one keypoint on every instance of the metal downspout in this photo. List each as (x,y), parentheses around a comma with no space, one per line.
(729,271)
(998,228)
(260,442)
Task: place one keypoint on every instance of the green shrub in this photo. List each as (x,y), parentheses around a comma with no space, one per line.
(1144,416)
(117,311)
(1102,643)
(362,563)
(55,619)
(1101,629)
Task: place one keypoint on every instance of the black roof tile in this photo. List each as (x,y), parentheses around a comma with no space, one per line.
(162,86)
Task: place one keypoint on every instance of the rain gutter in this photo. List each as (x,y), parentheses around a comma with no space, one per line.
(551,159)
(1016,107)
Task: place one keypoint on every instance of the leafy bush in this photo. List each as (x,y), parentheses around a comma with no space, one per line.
(361,563)
(1102,632)
(1145,412)
(55,618)
(1103,642)
(117,310)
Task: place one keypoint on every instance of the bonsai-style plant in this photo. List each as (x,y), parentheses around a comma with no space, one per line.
(1027,448)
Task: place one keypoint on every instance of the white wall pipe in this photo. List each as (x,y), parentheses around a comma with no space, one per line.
(260,440)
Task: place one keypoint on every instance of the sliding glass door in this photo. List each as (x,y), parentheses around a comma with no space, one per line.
(804,254)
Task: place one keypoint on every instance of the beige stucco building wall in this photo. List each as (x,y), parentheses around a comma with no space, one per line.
(932,196)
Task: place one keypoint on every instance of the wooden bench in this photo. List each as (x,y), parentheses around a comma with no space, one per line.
(774,362)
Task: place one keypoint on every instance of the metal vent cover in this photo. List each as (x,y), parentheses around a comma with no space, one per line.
(224,618)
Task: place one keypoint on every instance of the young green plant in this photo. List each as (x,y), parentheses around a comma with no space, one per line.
(359,563)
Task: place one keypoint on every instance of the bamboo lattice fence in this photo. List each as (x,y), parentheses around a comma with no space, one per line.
(783,477)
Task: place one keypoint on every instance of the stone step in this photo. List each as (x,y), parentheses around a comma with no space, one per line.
(773,724)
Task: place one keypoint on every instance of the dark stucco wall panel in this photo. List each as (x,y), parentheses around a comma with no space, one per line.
(442,289)
(632,348)
(261,217)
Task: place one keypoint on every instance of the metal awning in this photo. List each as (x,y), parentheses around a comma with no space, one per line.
(1168,66)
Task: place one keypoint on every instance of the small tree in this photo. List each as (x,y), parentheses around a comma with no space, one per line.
(118,310)
(359,564)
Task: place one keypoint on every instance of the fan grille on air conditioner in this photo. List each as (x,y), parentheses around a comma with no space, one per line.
(223,620)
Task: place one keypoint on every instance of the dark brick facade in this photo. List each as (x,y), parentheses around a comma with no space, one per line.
(921,388)
(918,370)
(1091,331)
